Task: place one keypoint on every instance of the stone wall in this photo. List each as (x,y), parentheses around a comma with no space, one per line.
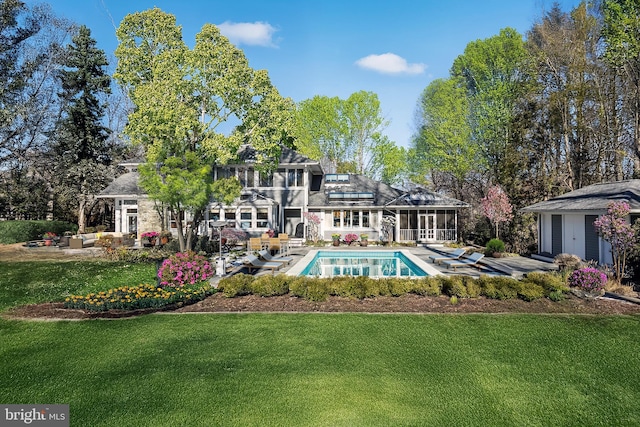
(148,218)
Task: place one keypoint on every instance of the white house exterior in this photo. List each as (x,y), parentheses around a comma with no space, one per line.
(565,223)
(345,203)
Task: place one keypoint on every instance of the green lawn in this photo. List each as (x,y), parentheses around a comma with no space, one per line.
(310,369)
(43,281)
(339,369)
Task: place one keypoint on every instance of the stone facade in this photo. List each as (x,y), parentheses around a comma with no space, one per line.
(148,218)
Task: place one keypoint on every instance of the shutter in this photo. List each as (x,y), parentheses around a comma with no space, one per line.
(556,234)
(591,242)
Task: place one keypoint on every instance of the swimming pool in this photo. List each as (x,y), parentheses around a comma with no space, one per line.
(371,263)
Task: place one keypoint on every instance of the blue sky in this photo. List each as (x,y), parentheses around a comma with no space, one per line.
(334,48)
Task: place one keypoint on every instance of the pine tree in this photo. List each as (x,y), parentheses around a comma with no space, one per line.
(81,145)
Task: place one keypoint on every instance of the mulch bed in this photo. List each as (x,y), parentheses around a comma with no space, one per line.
(287,304)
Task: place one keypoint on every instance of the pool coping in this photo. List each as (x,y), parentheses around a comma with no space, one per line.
(299,267)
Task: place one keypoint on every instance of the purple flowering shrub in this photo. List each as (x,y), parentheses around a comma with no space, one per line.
(184,268)
(588,279)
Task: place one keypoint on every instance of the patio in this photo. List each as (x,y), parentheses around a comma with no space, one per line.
(510,266)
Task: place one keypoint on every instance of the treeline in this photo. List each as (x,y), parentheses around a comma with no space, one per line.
(58,117)
(539,114)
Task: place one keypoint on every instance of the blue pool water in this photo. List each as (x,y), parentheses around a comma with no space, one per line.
(362,263)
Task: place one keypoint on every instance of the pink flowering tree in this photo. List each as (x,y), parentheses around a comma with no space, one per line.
(614,228)
(495,206)
(313,223)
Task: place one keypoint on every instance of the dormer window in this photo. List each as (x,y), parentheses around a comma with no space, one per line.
(336,177)
(350,195)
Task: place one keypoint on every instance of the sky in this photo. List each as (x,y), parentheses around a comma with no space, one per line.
(393,48)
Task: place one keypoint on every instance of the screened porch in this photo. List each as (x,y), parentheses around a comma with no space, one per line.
(427,225)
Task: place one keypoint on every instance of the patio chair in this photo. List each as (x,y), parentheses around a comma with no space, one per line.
(274,244)
(255,244)
(265,255)
(471,261)
(284,243)
(253,263)
(437,259)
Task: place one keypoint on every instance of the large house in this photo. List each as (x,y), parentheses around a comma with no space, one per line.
(283,201)
(565,223)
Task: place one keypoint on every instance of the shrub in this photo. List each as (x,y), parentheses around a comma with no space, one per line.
(474,290)
(551,282)
(398,287)
(495,246)
(137,297)
(429,286)
(501,288)
(529,291)
(236,285)
(454,286)
(184,268)
(556,296)
(588,279)
(23,231)
(310,288)
(270,285)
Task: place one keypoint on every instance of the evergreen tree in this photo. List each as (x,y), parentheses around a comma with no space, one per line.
(81,145)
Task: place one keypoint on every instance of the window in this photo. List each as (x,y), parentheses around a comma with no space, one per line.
(129,202)
(246,177)
(230,215)
(337,216)
(336,177)
(226,172)
(266,179)
(214,214)
(262,218)
(351,219)
(245,218)
(295,178)
(350,195)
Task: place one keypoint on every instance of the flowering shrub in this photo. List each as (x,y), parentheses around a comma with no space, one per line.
(313,223)
(136,297)
(184,268)
(613,228)
(588,279)
(350,238)
(234,235)
(49,235)
(149,235)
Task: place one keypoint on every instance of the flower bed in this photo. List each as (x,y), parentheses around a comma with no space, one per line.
(137,297)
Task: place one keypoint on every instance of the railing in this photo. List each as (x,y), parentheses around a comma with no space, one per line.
(441,235)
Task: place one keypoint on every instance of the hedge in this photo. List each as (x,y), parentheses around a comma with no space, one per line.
(23,231)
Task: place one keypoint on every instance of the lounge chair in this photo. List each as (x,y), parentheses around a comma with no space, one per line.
(253,263)
(266,255)
(437,259)
(471,261)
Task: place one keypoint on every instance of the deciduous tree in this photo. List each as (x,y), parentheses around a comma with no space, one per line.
(194,108)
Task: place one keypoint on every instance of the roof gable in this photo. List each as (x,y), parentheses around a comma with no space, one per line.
(593,197)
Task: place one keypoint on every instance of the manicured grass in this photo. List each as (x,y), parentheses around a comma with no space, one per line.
(333,370)
(44,281)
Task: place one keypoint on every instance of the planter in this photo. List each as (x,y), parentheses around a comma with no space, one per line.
(336,242)
(149,243)
(164,240)
(48,242)
(364,243)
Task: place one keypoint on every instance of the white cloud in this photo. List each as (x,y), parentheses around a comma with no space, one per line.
(248,33)
(390,63)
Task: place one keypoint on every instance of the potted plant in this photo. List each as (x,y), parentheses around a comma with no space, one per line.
(335,238)
(149,238)
(165,237)
(351,238)
(48,237)
(364,239)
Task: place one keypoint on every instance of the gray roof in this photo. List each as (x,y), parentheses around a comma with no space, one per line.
(247,154)
(384,195)
(594,197)
(124,185)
